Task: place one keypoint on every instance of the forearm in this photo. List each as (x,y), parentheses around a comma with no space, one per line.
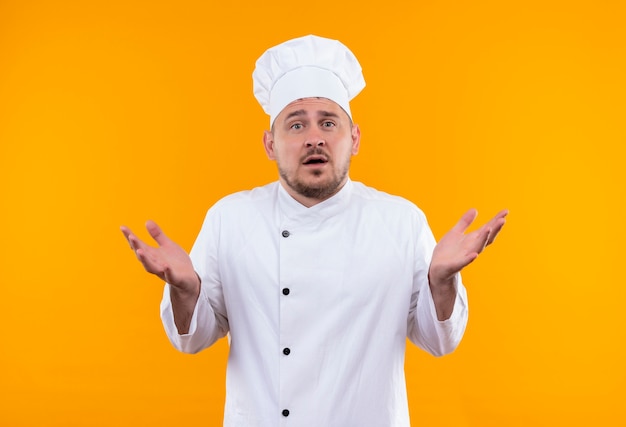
(444,296)
(426,330)
(183,304)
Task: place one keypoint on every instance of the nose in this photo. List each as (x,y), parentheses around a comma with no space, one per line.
(314,139)
(319,143)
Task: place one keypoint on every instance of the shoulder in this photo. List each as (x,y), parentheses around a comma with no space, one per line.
(369,197)
(241,199)
(390,216)
(244,206)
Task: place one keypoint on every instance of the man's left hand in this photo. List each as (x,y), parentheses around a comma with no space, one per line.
(457,249)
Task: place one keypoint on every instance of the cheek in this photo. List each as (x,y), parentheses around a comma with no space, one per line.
(350,151)
(291,151)
(286,155)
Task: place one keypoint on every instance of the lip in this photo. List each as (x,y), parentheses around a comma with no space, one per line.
(315,160)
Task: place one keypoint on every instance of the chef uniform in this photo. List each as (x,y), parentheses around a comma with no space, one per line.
(318,302)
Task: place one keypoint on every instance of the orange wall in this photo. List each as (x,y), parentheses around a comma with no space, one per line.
(114,112)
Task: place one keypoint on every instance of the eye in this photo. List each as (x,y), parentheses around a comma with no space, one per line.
(296,126)
(328,124)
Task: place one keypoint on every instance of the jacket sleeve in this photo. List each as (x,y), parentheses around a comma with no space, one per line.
(424,329)
(209,321)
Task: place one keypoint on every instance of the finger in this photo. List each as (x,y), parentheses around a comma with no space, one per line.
(469,259)
(156,233)
(482,238)
(150,264)
(466,260)
(126,232)
(497,226)
(136,243)
(133,241)
(465,221)
(502,214)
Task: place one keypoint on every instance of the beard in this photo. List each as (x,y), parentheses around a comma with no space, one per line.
(322,190)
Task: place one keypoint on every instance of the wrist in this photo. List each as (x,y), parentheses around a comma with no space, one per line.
(440,284)
(189,289)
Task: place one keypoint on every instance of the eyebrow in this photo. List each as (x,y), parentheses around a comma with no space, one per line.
(327,113)
(299,113)
(296,113)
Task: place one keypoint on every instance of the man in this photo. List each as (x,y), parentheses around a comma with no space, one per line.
(318,280)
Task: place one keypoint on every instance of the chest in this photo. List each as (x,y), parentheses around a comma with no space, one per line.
(341,261)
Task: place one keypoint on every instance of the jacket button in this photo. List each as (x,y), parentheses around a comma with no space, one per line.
(286,351)
(285,233)
(285,412)
(286,291)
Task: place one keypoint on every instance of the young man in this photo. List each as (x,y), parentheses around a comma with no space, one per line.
(318,279)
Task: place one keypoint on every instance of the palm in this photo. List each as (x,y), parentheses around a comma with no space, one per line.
(168,261)
(457,249)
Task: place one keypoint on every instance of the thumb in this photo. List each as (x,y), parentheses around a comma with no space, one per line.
(156,233)
(465,221)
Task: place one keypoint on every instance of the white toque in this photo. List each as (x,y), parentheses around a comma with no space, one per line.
(306,67)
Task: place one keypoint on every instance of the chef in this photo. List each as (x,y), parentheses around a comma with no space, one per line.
(316,279)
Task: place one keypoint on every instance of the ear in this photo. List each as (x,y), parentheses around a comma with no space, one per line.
(268,143)
(356,139)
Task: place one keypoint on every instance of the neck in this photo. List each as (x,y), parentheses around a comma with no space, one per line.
(309,201)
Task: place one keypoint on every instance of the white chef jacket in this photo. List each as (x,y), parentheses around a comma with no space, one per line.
(318,303)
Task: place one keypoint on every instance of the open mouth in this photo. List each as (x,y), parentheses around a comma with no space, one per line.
(315,160)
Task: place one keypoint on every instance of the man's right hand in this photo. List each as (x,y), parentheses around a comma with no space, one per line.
(172,264)
(168,261)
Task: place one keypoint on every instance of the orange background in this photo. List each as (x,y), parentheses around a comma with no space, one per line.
(114,112)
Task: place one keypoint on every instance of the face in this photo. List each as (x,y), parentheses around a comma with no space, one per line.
(312,142)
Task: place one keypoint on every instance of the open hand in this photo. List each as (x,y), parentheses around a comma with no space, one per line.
(457,249)
(168,261)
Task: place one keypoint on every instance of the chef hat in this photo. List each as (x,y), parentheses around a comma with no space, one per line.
(305,67)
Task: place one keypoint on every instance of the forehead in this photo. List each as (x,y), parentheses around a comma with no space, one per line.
(312,107)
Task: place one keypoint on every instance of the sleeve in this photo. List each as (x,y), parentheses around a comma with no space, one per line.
(209,321)
(424,329)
